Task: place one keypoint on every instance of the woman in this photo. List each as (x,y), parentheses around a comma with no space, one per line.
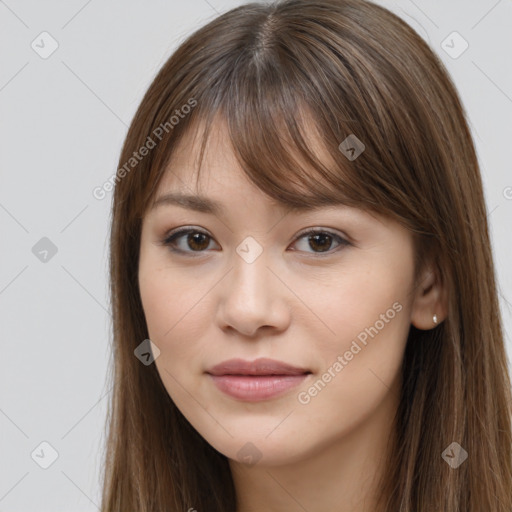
(305,316)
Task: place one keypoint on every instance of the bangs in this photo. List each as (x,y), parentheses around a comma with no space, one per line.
(282,147)
(291,116)
(288,147)
(283,151)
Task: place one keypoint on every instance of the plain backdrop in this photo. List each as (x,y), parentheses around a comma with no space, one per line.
(63,118)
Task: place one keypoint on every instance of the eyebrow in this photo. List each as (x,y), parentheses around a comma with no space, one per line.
(205,204)
(191,202)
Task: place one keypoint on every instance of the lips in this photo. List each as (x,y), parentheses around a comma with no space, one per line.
(261,366)
(255,381)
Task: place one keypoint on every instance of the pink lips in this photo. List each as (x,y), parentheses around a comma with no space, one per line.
(256,380)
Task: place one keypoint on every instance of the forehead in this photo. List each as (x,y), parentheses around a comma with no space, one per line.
(237,173)
(220,181)
(219,142)
(186,165)
(221,188)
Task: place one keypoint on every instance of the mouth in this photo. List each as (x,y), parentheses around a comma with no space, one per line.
(259,367)
(257,380)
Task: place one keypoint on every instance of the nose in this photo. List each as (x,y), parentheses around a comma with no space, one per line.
(253,298)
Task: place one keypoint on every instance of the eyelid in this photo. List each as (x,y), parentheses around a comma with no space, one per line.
(320,229)
(179,232)
(342,239)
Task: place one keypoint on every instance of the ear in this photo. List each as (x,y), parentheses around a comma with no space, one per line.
(430,298)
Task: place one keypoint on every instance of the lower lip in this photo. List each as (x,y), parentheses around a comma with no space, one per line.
(253,388)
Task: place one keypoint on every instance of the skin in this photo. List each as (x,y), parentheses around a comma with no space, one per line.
(296,304)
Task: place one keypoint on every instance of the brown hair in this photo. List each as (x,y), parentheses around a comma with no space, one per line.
(348,67)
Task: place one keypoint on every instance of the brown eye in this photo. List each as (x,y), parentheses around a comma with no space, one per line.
(190,241)
(197,241)
(321,241)
(187,241)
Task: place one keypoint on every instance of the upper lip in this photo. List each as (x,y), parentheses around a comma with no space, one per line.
(261,366)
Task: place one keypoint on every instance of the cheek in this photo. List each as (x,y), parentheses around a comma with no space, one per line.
(360,363)
(363,316)
(176,312)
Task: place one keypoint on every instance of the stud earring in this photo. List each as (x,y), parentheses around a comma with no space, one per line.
(434,318)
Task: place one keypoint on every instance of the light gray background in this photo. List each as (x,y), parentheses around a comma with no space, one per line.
(63,120)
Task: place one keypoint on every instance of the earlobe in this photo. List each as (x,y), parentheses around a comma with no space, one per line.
(429,307)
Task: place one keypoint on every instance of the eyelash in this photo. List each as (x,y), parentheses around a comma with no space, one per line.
(170,241)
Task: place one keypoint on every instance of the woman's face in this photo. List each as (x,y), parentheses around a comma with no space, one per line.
(246,283)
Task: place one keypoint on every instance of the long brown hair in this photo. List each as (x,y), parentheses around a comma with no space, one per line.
(349,67)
